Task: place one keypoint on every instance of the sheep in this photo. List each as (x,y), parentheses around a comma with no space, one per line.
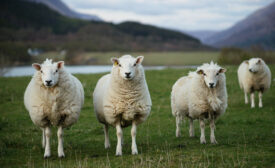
(200,95)
(122,98)
(254,75)
(53,98)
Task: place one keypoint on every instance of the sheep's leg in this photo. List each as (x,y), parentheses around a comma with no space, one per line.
(133,133)
(191,128)
(178,123)
(245,98)
(212,134)
(47,147)
(119,139)
(202,125)
(43,138)
(252,100)
(106,133)
(260,99)
(60,142)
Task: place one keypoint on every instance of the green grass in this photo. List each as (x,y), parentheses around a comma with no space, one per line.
(246,137)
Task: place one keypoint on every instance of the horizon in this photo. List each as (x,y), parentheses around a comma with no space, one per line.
(176,14)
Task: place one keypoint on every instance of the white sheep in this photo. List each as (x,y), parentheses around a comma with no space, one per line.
(254,75)
(53,98)
(200,95)
(122,98)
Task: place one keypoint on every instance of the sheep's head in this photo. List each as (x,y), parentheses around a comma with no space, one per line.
(127,65)
(49,71)
(254,64)
(211,74)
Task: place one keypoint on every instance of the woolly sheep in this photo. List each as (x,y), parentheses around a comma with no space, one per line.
(122,98)
(254,75)
(200,95)
(53,98)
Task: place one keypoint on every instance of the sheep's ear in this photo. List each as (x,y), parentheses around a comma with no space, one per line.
(36,66)
(246,62)
(60,64)
(222,70)
(139,59)
(200,72)
(115,61)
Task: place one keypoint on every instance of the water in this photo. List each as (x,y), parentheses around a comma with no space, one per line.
(82,69)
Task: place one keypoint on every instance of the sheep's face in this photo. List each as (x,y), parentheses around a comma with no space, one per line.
(211,75)
(254,65)
(49,72)
(127,66)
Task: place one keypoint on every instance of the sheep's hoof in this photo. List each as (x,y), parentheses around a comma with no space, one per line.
(134,152)
(61,156)
(203,141)
(46,156)
(118,153)
(107,145)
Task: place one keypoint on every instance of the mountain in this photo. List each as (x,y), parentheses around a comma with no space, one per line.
(25,24)
(202,35)
(258,29)
(60,7)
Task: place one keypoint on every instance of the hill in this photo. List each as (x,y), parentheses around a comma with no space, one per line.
(60,7)
(258,29)
(25,24)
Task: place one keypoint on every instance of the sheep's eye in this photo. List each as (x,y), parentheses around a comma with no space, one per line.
(217,74)
(41,71)
(204,74)
(135,64)
(56,71)
(119,65)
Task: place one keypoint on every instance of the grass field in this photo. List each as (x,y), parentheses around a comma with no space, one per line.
(151,58)
(246,137)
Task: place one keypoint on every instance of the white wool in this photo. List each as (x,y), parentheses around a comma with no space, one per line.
(48,106)
(191,97)
(254,75)
(250,82)
(53,98)
(121,102)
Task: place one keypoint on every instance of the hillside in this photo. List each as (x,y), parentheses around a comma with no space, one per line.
(60,7)
(26,25)
(257,29)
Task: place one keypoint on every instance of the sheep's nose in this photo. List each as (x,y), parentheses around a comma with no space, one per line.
(211,85)
(127,74)
(48,82)
(250,70)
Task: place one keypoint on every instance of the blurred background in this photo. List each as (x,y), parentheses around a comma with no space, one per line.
(168,33)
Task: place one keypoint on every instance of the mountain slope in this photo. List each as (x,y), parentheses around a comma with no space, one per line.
(60,7)
(25,24)
(257,29)
(201,34)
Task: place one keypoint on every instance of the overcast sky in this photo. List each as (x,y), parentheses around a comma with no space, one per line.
(175,14)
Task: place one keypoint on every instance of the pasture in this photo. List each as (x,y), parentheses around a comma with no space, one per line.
(152,58)
(246,137)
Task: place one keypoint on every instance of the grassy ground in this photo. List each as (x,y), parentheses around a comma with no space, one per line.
(151,58)
(246,137)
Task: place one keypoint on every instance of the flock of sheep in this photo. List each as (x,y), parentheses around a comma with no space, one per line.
(54,97)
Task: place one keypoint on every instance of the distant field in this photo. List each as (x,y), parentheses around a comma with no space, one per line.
(246,137)
(151,58)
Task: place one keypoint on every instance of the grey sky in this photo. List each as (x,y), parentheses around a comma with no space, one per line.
(175,14)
